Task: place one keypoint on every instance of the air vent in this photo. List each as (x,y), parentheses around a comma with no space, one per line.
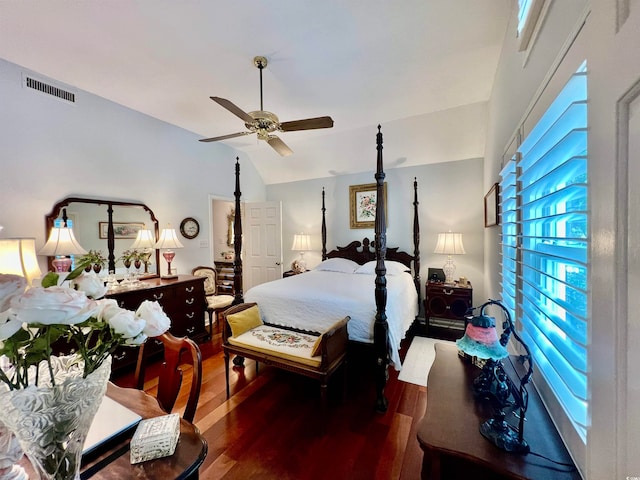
(48,89)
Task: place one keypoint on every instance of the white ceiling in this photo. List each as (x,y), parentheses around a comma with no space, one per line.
(421,66)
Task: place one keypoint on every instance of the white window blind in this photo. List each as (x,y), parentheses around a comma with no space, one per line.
(544,193)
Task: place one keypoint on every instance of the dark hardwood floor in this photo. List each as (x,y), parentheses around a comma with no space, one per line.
(272,427)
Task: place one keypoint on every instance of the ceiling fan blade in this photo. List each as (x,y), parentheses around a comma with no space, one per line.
(279,146)
(237,111)
(307,124)
(225,137)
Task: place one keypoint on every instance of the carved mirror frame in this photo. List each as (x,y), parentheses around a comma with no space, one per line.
(109,204)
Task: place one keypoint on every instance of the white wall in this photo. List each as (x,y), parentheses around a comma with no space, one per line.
(450,197)
(611,37)
(50,150)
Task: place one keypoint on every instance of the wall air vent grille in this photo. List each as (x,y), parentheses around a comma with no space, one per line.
(49,89)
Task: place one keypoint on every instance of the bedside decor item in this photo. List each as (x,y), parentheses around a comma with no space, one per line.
(61,244)
(168,240)
(189,228)
(449,243)
(362,205)
(493,384)
(301,243)
(491,215)
(18,256)
(49,401)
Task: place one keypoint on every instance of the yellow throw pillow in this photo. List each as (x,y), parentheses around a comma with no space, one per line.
(244,321)
(315,350)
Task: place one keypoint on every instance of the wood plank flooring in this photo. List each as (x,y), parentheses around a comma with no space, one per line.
(272,427)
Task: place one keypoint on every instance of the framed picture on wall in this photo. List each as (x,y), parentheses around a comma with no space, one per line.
(491,214)
(362,204)
(121,229)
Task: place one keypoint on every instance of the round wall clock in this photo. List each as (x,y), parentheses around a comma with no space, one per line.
(189,228)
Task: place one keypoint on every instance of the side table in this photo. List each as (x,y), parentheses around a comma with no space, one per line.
(445,306)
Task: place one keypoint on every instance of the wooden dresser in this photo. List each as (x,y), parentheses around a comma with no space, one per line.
(183,301)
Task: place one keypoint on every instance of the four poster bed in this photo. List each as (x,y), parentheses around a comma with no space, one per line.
(341,285)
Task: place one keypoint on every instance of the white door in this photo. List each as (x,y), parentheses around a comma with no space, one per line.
(262,246)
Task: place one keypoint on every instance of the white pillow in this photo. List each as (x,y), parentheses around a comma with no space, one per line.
(393,268)
(342,265)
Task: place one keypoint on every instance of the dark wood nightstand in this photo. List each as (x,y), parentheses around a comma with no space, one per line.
(290,273)
(445,306)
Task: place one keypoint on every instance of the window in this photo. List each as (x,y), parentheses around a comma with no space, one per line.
(529,13)
(544,272)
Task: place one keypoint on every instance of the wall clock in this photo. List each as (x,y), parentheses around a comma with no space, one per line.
(189,228)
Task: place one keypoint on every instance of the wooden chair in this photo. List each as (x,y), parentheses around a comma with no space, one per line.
(170,378)
(216,303)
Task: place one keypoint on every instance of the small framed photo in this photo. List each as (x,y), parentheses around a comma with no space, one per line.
(491,213)
(362,204)
(120,229)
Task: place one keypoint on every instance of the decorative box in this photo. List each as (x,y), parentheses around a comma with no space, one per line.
(155,438)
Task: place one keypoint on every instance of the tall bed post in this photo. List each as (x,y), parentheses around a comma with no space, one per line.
(416,241)
(380,327)
(237,241)
(324,229)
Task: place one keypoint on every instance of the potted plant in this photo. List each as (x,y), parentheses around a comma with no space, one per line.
(93,259)
(128,256)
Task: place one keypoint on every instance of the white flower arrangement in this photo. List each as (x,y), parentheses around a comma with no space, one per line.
(32,320)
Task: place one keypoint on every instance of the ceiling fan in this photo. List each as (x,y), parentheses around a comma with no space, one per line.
(264,123)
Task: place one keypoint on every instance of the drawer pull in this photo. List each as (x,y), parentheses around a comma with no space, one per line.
(189,289)
(447,292)
(119,357)
(191,315)
(158,296)
(190,301)
(190,330)
(121,303)
(157,342)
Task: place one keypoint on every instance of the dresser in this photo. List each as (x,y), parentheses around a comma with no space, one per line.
(182,299)
(225,277)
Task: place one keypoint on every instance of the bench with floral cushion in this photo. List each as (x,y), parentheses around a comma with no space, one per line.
(315,355)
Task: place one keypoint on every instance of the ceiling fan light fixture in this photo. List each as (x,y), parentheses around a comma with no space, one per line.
(264,123)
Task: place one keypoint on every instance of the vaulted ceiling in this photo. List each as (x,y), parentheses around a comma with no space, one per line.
(422,68)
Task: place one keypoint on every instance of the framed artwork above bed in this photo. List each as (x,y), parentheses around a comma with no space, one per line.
(362,205)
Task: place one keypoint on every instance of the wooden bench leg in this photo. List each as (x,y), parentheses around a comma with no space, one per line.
(226,371)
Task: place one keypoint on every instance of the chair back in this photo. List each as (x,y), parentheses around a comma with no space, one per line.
(211,279)
(170,378)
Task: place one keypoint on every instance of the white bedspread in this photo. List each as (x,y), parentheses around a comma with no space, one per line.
(315,300)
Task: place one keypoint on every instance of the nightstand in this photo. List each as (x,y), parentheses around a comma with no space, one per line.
(290,273)
(445,306)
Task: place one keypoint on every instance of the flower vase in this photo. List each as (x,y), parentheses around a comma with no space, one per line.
(97,267)
(51,421)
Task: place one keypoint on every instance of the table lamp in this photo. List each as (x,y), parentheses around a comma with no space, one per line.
(449,243)
(146,241)
(61,244)
(168,240)
(18,257)
(301,243)
(493,384)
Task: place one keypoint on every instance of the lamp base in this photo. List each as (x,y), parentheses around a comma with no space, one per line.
(503,436)
(61,264)
(449,269)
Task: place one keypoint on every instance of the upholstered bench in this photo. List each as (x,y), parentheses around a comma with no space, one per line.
(315,355)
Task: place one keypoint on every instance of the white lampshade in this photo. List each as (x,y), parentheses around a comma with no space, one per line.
(168,239)
(18,257)
(449,243)
(62,242)
(145,239)
(301,243)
